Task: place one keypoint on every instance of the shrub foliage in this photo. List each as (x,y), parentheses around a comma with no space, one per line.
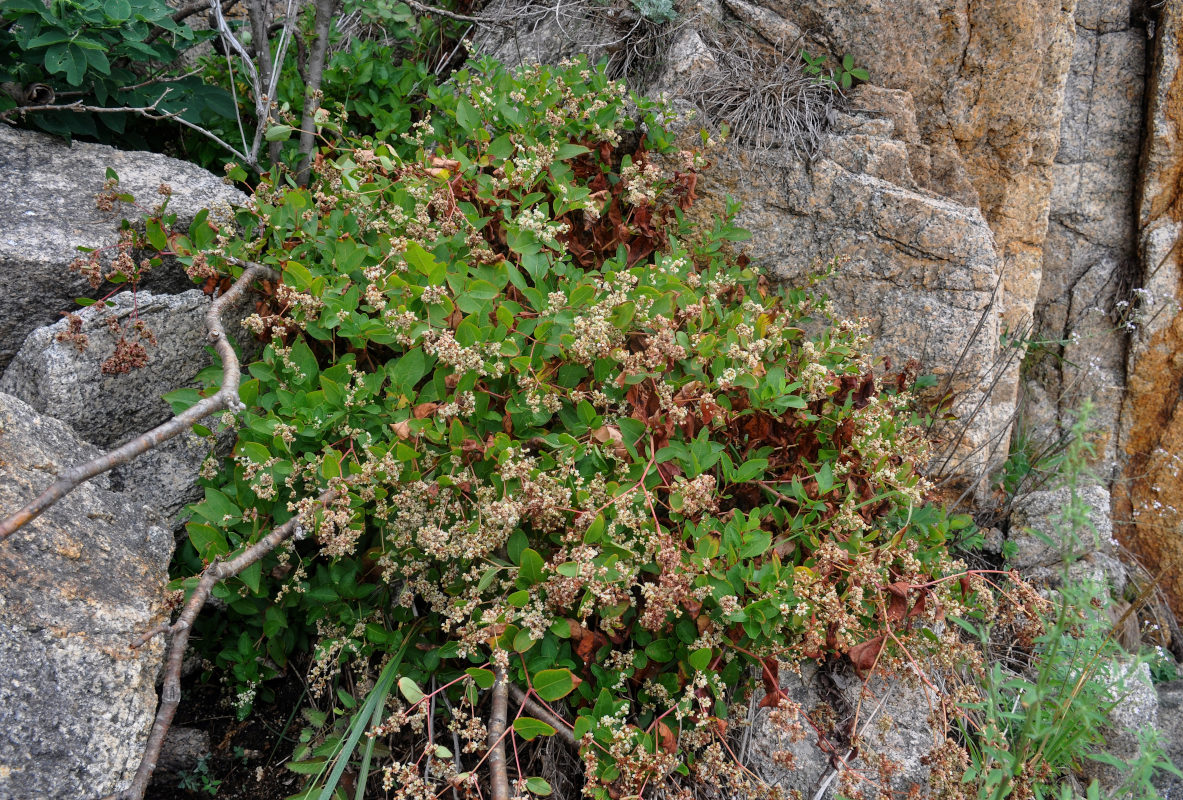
(572,435)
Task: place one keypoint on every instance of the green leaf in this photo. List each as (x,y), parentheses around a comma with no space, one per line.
(331,466)
(117,10)
(297,275)
(53,36)
(825,478)
(207,540)
(529,728)
(278,133)
(410,690)
(523,641)
(570,150)
(156,235)
(660,650)
(700,659)
(553,684)
(538,786)
(217,508)
(484,678)
(519,599)
(313,766)
(530,568)
(467,115)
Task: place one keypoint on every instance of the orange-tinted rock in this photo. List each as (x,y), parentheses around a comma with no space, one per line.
(1149,507)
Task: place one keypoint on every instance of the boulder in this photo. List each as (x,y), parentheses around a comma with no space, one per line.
(795,762)
(62,376)
(89,385)
(1170,724)
(48,209)
(1136,709)
(77,585)
(1049,545)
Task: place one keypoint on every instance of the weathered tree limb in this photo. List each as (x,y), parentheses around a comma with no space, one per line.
(325,9)
(225,398)
(498,775)
(170,696)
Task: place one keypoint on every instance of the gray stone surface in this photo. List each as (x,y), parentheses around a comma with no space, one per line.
(1170,723)
(58,379)
(921,268)
(76,586)
(905,741)
(183,748)
(1090,248)
(47,209)
(1047,543)
(1136,709)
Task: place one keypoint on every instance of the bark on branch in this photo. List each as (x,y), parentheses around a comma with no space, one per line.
(225,398)
(170,696)
(498,775)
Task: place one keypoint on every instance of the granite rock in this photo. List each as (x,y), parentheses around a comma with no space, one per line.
(48,210)
(77,585)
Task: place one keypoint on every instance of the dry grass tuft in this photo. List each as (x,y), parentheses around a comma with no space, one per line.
(764,95)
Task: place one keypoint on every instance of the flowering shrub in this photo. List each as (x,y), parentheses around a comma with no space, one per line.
(572,437)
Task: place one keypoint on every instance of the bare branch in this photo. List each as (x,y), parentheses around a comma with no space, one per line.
(316,64)
(170,696)
(225,398)
(442,12)
(78,107)
(498,775)
(151,111)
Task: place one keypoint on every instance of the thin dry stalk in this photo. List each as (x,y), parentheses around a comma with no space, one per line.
(170,696)
(225,398)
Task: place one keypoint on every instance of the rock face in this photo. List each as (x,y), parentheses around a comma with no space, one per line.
(54,211)
(987,81)
(796,763)
(1150,494)
(1089,257)
(929,259)
(84,385)
(1170,722)
(1048,540)
(77,585)
(58,378)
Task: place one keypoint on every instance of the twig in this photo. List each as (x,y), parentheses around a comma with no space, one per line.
(225,398)
(441,12)
(78,108)
(170,696)
(498,776)
(562,728)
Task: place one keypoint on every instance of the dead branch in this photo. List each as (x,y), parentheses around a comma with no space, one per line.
(225,398)
(151,111)
(443,12)
(170,696)
(498,775)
